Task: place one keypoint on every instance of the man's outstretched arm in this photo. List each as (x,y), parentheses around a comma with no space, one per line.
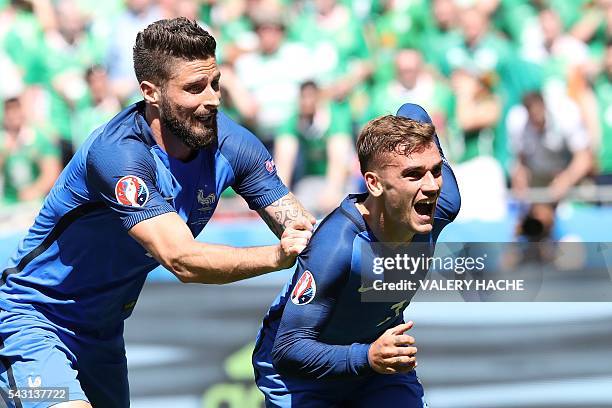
(168,239)
(154,223)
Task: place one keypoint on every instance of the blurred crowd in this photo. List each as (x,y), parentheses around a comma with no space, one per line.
(519,90)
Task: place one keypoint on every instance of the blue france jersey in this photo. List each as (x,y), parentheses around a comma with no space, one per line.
(327,332)
(78,265)
(319,327)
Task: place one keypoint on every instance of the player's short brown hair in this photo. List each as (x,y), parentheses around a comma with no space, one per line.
(391,134)
(159,45)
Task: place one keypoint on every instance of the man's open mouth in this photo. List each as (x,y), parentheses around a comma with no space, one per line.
(425,207)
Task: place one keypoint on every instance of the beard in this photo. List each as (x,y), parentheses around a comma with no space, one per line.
(193,136)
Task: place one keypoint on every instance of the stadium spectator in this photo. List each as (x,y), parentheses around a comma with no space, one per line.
(594,26)
(552,151)
(70,49)
(553,42)
(48,45)
(442,28)
(400,25)
(168,9)
(482,51)
(518,19)
(339,52)
(136,16)
(478,49)
(28,159)
(444,16)
(23,25)
(601,97)
(271,74)
(561,57)
(188,9)
(181,8)
(471,145)
(477,110)
(96,107)
(565,62)
(11,77)
(412,81)
(313,150)
(23,35)
(234,21)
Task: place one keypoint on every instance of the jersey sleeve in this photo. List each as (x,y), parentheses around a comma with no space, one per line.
(297,351)
(449,201)
(255,177)
(123,176)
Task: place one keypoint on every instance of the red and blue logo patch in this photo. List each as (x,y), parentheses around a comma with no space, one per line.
(304,290)
(131,191)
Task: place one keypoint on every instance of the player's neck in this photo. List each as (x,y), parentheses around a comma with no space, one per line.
(164,139)
(380,222)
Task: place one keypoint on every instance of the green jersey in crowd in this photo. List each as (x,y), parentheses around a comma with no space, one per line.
(20,165)
(330,120)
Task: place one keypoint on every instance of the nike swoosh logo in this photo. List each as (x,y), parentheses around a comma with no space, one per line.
(361,289)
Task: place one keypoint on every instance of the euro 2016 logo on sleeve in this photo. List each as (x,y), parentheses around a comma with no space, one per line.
(305,289)
(131,191)
(270,166)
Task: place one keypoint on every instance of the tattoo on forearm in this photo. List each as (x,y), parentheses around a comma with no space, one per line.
(282,213)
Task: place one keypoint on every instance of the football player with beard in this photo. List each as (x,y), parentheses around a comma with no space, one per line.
(134,197)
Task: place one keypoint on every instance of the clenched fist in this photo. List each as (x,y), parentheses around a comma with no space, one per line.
(393,351)
(293,241)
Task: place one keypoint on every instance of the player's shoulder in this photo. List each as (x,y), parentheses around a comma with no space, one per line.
(231,134)
(340,228)
(240,147)
(127,136)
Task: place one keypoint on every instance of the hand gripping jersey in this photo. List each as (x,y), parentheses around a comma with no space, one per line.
(312,349)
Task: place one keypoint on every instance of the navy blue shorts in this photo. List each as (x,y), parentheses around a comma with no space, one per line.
(35,353)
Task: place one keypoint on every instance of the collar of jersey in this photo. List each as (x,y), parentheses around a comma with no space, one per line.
(350,210)
(143,126)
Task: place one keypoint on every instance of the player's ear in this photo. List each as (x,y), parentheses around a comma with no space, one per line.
(373,183)
(150,92)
